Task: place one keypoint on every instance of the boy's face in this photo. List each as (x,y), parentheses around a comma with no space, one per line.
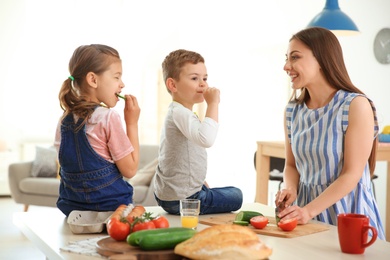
(188,90)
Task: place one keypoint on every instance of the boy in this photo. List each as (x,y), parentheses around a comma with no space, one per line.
(182,166)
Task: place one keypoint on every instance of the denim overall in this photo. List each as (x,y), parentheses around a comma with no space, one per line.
(88,181)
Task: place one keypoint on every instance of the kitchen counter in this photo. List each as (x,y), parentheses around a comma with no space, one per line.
(49,231)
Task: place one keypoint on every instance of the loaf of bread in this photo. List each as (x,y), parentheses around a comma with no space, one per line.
(224,242)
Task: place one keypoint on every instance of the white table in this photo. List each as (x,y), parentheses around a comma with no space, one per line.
(49,231)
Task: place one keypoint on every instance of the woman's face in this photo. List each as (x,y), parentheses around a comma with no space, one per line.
(301,65)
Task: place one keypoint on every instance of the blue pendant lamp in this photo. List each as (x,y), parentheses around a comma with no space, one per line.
(334,19)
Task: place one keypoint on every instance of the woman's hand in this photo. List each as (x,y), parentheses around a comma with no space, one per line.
(301,214)
(285,198)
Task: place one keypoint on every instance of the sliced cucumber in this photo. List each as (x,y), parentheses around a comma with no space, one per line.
(241,222)
(246,215)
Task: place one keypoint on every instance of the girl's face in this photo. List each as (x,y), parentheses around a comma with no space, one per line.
(301,66)
(188,90)
(109,84)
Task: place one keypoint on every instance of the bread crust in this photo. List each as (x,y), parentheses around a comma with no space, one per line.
(226,241)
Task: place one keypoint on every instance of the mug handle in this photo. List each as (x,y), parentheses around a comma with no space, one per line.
(374,235)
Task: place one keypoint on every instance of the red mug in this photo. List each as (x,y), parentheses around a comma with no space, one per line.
(353,232)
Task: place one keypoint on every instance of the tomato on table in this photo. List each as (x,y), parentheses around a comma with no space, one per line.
(288,224)
(259,222)
(142,225)
(160,222)
(147,221)
(117,229)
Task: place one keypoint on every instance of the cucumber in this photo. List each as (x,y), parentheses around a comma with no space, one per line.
(241,222)
(134,238)
(160,238)
(246,215)
(164,241)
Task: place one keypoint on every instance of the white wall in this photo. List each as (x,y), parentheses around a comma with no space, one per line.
(243,42)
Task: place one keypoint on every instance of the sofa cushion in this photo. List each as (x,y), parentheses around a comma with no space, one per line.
(45,163)
(42,186)
(144,176)
(139,194)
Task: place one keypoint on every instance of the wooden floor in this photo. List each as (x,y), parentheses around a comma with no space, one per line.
(13,244)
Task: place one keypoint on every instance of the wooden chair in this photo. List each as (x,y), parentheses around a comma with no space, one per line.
(275,164)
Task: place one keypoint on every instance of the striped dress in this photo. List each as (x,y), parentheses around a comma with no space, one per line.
(317,142)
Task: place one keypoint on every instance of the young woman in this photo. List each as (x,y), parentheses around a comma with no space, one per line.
(331,136)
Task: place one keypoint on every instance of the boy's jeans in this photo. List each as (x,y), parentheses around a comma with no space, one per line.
(215,200)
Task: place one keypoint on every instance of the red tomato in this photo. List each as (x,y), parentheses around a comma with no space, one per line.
(117,229)
(288,225)
(143,225)
(161,222)
(259,222)
(130,219)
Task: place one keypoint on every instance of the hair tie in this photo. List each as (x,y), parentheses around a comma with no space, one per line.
(71,78)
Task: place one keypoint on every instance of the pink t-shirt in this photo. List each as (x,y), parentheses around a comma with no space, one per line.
(105,133)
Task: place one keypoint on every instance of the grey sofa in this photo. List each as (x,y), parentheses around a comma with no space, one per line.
(43,191)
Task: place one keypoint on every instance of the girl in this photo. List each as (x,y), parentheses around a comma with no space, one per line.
(94,151)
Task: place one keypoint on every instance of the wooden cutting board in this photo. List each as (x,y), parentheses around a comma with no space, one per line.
(271,229)
(116,250)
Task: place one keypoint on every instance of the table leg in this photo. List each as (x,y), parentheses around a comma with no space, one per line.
(387,221)
(262,171)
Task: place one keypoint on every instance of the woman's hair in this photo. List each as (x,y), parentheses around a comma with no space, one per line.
(328,53)
(175,60)
(94,58)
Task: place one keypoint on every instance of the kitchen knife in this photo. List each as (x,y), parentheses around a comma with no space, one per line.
(278,209)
